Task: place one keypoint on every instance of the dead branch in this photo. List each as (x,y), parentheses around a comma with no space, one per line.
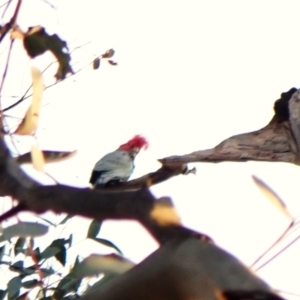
(277,142)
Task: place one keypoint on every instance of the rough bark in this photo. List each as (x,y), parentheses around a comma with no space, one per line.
(279,141)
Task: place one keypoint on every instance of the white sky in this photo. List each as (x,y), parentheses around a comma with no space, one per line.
(190,74)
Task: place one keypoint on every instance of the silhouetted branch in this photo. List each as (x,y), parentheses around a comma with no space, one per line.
(185,269)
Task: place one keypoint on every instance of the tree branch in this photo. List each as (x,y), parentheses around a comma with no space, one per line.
(186,269)
(275,142)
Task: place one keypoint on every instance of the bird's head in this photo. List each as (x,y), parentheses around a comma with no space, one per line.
(135,145)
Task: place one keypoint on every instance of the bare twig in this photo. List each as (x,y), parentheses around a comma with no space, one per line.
(7,27)
(24,97)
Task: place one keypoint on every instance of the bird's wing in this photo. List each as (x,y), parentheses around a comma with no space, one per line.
(116,159)
(116,165)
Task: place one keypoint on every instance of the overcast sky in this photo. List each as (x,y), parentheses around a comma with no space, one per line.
(189,74)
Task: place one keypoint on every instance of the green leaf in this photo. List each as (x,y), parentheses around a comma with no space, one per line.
(17,266)
(3,294)
(29,270)
(29,284)
(66,285)
(19,246)
(47,272)
(94,229)
(69,240)
(2,251)
(62,254)
(50,251)
(107,278)
(96,264)
(13,287)
(108,244)
(24,229)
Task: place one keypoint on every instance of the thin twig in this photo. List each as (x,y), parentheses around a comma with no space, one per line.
(12,22)
(274,244)
(278,253)
(24,97)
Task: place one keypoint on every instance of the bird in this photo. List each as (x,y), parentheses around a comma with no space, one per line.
(117,166)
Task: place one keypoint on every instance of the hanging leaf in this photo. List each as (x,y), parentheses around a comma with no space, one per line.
(17,266)
(13,287)
(108,54)
(30,122)
(37,157)
(29,284)
(49,156)
(62,255)
(96,63)
(94,229)
(96,264)
(272,196)
(19,246)
(50,251)
(56,249)
(113,63)
(67,285)
(2,294)
(106,278)
(25,229)
(70,240)
(108,244)
(37,42)
(2,251)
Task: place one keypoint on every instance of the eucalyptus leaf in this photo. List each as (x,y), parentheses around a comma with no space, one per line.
(97,264)
(13,287)
(108,244)
(24,229)
(19,246)
(94,229)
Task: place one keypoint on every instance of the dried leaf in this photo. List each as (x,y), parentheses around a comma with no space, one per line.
(164,212)
(272,196)
(30,121)
(96,63)
(17,33)
(113,63)
(49,156)
(37,42)
(37,158)
(109,53)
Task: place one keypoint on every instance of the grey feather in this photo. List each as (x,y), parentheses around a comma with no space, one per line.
(117,165)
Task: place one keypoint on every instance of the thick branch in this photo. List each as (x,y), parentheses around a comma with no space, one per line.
(162,174)
(271,143)
(186,269)
(277,142)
